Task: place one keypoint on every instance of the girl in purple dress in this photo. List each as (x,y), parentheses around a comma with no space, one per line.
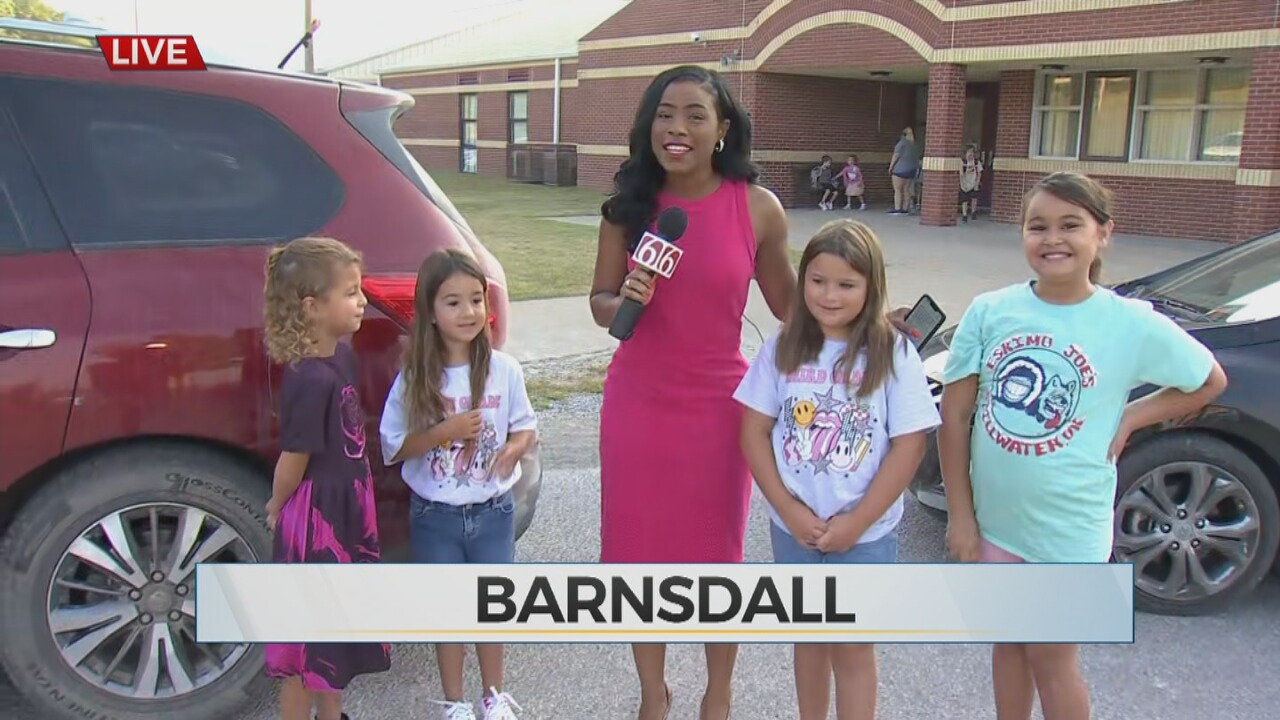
(321,507)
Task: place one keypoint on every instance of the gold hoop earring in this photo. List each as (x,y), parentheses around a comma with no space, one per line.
(720,145)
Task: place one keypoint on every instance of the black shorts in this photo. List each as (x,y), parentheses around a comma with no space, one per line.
(967,195)
(830,187)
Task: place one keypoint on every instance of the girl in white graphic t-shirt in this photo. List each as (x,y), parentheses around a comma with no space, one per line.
(459,418)
(837,411)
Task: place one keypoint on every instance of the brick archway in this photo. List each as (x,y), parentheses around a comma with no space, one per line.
(812,94)
(919,49)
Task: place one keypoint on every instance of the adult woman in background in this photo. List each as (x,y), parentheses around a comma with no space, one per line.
(903,168)
(674,485)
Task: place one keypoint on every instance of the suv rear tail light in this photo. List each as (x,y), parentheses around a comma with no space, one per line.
(393,295)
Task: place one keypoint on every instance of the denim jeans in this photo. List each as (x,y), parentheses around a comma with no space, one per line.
(480,533)
(787,550)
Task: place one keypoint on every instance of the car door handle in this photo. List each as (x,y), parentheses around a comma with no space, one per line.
(27,339)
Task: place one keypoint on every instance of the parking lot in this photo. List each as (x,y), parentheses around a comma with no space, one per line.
(1179,668)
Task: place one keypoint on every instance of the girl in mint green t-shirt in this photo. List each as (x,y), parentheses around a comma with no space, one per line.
(1044,370)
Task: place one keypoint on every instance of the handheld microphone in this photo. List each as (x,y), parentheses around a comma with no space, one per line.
(657,254)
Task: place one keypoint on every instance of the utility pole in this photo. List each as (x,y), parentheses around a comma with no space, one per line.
(308,53)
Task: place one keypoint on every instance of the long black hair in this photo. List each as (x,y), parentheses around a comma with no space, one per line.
(634,202)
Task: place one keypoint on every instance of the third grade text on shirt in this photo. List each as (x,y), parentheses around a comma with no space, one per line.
(443,475)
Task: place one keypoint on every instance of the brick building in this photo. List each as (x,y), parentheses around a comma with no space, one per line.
(495,97)
(1173,103)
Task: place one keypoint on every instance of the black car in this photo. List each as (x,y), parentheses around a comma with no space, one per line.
(1196,507)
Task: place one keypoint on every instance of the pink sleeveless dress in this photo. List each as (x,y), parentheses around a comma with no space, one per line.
(674,486)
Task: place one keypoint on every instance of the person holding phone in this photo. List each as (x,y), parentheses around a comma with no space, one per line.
(837,370)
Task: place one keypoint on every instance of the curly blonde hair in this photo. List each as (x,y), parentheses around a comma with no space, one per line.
(301,269)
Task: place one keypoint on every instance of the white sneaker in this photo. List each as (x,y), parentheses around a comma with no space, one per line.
(498,706)
(457,710)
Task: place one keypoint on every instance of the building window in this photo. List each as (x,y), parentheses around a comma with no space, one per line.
(1192,115)
(1107,120)
(470,132)
(518,117)
(1057,113)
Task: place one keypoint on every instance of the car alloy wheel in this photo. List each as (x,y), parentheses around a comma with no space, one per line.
(121,603)
(1189,528)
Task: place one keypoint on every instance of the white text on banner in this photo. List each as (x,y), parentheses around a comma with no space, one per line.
(590,603)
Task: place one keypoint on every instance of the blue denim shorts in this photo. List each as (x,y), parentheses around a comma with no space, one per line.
(479,533)
(787,550)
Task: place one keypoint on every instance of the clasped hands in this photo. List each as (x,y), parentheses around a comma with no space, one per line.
(837,535)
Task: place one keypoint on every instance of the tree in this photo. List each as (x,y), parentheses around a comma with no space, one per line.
(30,10)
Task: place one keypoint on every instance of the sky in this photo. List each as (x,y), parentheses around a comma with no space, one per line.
(261,32)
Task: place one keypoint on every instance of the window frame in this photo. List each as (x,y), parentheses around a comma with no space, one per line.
(463,122)
(23,201)
(512,119)
(1197,109)
(1136,115)
(1039,110)
(1087,95)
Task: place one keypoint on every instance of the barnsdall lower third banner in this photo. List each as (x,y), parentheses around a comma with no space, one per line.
(593,603)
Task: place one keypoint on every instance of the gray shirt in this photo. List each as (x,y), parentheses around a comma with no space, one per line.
(908,163)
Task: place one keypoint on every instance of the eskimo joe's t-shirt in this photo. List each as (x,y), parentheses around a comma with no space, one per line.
(443,474)
(828,442)
(1053,382)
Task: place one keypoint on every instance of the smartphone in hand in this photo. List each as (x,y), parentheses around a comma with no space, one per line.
(926,318)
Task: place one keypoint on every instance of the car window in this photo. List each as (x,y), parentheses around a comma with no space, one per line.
(11,239)
(131,165)
(377,126)
(26,222)
(1241,284)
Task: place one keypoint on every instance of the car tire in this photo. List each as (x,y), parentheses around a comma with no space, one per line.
(1244,490)
(196,487)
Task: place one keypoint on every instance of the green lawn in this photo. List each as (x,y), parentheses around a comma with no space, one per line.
(542,258)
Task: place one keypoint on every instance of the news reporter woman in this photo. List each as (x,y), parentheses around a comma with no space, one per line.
(674,486)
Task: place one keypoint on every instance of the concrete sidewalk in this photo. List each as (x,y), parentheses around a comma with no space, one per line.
(952,264)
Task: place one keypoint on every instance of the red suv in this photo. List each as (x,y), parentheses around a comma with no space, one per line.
(137,405)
